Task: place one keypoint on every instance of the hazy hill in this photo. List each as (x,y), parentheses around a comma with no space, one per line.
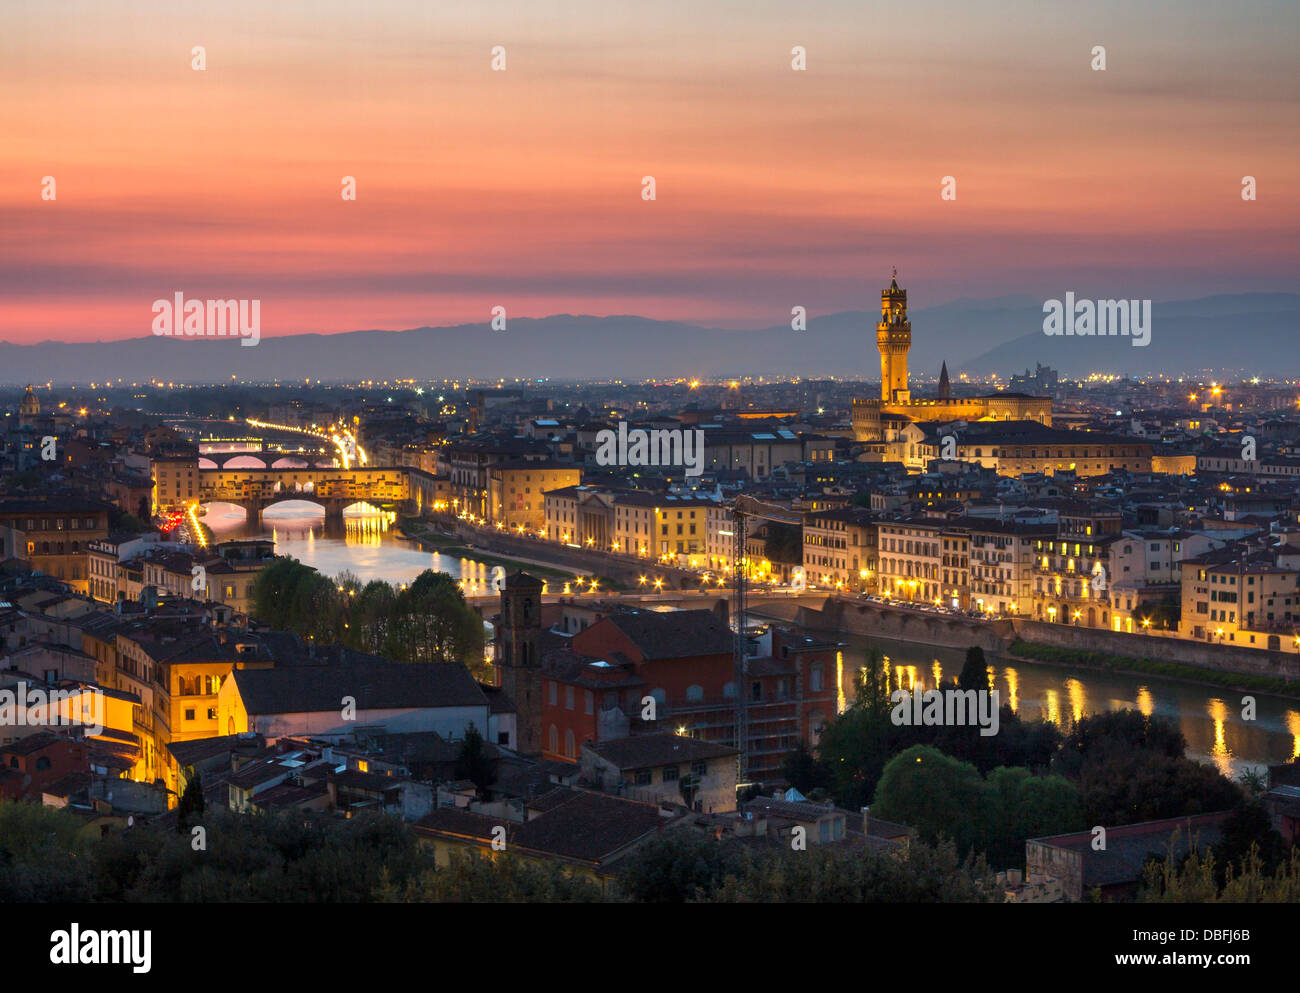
(1254,332)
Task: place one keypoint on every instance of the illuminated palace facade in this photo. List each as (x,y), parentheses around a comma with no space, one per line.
(878,420)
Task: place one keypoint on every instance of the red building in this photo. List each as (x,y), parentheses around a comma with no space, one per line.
(30,764)
(643,671)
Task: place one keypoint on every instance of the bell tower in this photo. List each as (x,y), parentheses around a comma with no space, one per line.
(519,664)
(894,339)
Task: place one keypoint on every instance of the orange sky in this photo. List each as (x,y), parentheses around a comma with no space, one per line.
(522,188)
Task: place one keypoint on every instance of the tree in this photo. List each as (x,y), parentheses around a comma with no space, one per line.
(975,671)
(472,762)
(856,744)
(932,792)
(1144,785)
(835,874)
(802,770)
(1249,827)
(1117,732)
(680,867)
(1196,880)
(191,802)
(945,798)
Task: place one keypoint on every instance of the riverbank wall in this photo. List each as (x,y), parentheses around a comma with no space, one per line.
(870,619)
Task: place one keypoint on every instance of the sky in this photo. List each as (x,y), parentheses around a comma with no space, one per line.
(523,188)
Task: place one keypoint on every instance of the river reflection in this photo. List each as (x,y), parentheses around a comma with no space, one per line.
(1209,718)
(363,543)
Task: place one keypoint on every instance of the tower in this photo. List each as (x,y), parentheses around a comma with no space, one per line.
(518,660)
(894,339)
(945,387)
(29,409)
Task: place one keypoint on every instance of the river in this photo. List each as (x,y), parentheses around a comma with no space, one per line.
(1209,717)
(362,543)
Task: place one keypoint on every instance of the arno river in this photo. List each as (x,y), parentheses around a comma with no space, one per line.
(363,544)
(1210,718)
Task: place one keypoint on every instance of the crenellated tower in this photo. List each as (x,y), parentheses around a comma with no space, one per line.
(894,339)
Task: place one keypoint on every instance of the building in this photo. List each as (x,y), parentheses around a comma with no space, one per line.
(30,764)
(586,833)
(662,527)
(517,488)
(638,671)
(175,480)
(894,341)
(839,550)
(1013,447)
(103,559)
(1237,597)
(664,767)
(57,533)
(225,574)
(1073,571)
(1117,870)
(333,700)
(519,657)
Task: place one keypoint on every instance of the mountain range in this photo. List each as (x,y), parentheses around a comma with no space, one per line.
(1248,333)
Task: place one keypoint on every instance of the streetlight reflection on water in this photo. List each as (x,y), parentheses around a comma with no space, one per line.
(1211,721)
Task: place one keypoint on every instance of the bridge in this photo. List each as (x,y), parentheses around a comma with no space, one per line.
(267,458)
(333,489)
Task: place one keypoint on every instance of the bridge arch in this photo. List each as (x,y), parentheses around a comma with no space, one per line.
(242,461)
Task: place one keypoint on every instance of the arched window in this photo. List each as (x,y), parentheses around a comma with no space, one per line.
(660,696)
(818,677)
(570,747)
(729,691)
(554,741)
(42,763)
(694,693)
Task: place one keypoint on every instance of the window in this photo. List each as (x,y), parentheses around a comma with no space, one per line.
(699,769)
(643,777)
(189,713)
(671,773)
(553,693)
(42,763)
(817,677)
(694,694)
(553,739)
(589,701)
(568,698)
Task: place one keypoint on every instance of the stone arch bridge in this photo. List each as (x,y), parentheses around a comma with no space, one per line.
(411,490)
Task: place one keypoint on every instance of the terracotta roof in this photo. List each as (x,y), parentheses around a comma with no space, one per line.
(641,751)
(374,686)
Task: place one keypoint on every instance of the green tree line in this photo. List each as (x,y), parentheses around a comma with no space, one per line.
(425,621)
